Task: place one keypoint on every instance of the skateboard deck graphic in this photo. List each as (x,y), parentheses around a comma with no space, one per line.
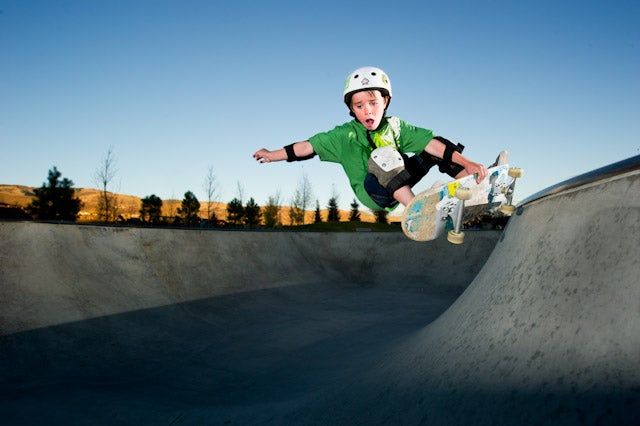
(447,207)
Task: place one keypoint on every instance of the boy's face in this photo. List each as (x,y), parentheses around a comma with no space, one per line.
(368,107)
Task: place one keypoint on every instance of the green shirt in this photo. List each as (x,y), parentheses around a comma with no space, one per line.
(348,145)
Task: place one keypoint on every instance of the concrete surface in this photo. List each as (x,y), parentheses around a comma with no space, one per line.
(155,326)
(146,326)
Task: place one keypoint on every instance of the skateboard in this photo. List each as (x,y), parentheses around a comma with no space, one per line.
(448,206)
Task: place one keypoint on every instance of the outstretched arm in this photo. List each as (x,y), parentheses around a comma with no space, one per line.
(437,149)
(301,150)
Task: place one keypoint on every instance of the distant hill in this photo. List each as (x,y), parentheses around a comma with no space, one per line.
(129,205)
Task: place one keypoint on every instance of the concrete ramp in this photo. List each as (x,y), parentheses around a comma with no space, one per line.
(138,326)
(547,333)
(151,326)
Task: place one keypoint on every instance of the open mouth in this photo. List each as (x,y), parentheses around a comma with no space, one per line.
(369,121)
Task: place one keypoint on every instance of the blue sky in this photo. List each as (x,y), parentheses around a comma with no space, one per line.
(177,87)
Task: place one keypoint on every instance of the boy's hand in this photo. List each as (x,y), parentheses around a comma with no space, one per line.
(478,170)
(263,156)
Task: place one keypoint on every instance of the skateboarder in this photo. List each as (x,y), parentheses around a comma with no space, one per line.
(383,156)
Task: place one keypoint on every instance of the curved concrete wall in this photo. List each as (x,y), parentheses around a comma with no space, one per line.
(547,333)
(52,274)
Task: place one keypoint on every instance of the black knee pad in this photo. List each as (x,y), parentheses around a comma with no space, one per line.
(418,166)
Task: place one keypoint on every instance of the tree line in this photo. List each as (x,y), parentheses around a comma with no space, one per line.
(56,200)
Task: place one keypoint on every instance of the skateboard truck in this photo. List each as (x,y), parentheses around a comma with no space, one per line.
(508,208)
(455,235)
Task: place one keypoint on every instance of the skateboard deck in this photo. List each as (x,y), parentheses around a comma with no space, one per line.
(447,207)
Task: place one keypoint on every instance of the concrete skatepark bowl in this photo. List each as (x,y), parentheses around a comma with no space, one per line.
(539,324)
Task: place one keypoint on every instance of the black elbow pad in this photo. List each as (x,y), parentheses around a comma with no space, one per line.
(446,165)
(291,154)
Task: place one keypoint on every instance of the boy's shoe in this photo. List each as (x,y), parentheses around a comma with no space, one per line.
(503,158)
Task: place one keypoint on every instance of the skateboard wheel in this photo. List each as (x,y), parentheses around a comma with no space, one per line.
(463,193)
(455,237)
(507,209)
(515,172)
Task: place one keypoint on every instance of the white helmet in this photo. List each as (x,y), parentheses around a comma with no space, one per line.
(366,78)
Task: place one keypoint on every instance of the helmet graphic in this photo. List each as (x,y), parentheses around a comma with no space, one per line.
(366,78)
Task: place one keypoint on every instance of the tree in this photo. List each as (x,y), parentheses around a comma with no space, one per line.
(296,214)
(318,217)
(300,201)
(355,213)
(211,189)
(235,212)
(190,208)
(240,190)
(55,201)
(151,210)
(381,216)
(271,213)
(306,194)
(252,214)
(108,201)
(334,214)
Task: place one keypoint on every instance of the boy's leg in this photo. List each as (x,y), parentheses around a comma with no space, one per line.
(377,192)
(404,195)
(417,167)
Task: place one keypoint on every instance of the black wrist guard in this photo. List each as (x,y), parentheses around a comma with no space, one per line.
(291,154)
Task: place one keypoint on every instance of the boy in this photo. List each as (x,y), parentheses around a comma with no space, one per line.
(373,148)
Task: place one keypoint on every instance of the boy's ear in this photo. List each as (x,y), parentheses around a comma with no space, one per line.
(387,101)
(351,113)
